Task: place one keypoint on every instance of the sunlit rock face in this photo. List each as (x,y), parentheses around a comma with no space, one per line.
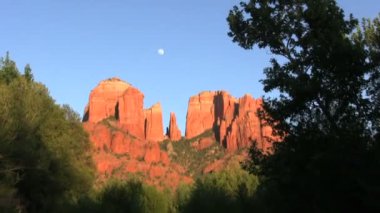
(154,129)
(103,99)
(235,122)
(200,114)
(174,133)
(131,113)
(120,100)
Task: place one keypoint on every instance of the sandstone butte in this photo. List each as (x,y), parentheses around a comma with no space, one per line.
(103,100)
(234,122)
(128,142)
(120,100)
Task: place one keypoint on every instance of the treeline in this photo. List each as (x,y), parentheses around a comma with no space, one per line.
(231,190)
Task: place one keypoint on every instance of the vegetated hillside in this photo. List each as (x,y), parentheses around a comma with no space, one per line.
(166,164)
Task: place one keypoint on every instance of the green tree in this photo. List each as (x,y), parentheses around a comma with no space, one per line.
(369,35)
(326,73)
(28,73)
(44,152)
(126,196)
(231,190)
(8,69)
(182,197)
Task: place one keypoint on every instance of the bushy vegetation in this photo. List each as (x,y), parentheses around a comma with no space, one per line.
(185,154)
(45,159)
(231,190)
(127,196)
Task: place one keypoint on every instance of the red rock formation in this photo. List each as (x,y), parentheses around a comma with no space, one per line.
(200,114)
(203,143)
(165,158)
(118,99)
(100,135)
(157,171)
(153,154)
(174,133)
(119,143)
(137,149)
(116,153)
(246,127)
(128,144)
(103,99)
(234,122)
(130,110)
(153,123)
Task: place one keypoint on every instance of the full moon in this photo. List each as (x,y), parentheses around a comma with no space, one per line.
(161,51)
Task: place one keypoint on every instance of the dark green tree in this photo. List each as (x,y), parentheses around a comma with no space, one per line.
(126,196)
(369,35)
(28,73)
(231,190)
(326,73)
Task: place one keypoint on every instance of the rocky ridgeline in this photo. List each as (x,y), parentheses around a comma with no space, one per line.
(234,121)
(126,137)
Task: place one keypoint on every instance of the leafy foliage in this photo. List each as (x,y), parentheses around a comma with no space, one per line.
(128,196)
(44,151)
(9,70)
(231,190)
(327,73)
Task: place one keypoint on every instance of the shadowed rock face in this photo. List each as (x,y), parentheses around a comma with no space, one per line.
(234,122)
(173,133)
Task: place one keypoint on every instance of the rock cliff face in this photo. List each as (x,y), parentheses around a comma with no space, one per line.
(153,123)
(234,122)
(200,114)
(130,112)
(173,133)
(116,98)
(104,98)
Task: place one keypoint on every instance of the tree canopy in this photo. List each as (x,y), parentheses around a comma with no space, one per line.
(325,67)
(45,157)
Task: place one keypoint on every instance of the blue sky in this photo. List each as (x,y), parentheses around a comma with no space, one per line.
(73,44)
